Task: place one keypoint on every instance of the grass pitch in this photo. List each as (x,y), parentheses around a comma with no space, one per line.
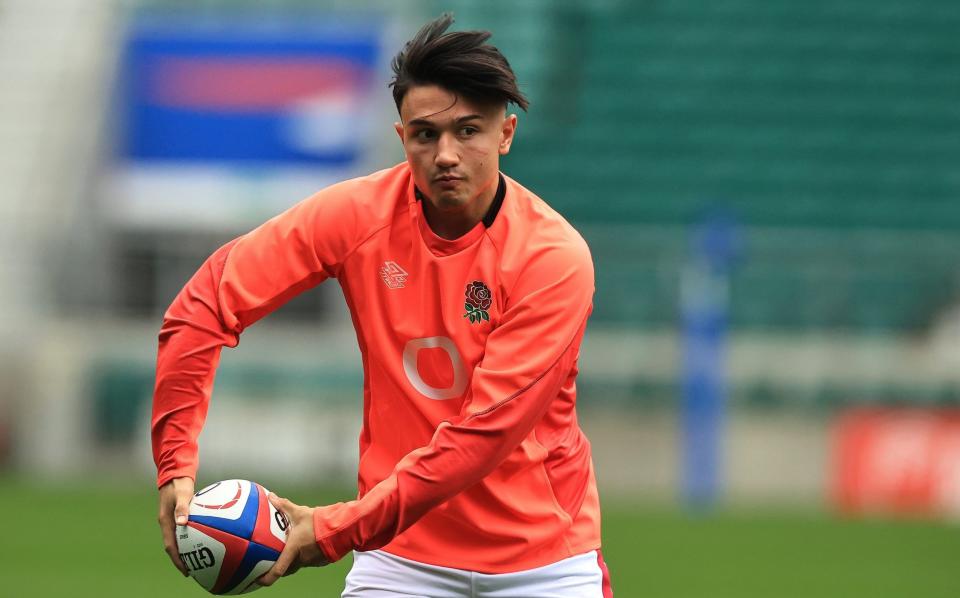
(103,542)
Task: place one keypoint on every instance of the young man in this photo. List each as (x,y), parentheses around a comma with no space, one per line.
(470,297)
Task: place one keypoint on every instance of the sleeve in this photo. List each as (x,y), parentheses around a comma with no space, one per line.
(240,283)
(527,359)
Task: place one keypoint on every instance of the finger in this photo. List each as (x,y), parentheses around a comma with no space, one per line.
(293,569)
(170,546)
(168,531)
(279,568)
(283,505)
(174,555)
(286,508)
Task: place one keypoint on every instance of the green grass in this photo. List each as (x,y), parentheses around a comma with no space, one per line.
(104,542)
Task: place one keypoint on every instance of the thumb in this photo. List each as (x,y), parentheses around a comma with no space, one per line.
(283,505)
(182,510)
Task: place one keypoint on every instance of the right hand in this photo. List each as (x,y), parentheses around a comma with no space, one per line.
(175,497)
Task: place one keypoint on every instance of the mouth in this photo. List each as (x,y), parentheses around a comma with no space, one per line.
(447,181)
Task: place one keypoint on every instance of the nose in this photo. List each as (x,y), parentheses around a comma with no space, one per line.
(448,152)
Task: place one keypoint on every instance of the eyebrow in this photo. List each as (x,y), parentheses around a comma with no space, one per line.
(425,122)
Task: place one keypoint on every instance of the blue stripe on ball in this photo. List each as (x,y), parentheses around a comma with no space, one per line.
(255,553)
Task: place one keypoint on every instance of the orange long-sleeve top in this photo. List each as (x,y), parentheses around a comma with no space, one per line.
(470,452)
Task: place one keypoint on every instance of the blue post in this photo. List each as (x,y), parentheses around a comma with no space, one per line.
(704,306)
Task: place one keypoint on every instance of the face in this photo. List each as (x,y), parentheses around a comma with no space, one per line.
(453,146)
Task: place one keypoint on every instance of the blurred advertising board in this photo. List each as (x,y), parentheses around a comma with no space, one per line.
(222,122)
(897,461)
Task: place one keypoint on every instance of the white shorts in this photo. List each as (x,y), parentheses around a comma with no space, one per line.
(378,574)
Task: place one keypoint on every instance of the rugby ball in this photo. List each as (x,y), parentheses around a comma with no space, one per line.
(233,536)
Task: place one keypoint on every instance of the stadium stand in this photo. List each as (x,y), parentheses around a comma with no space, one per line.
(827,128)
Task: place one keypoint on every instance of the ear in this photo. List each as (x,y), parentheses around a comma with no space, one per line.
(398,127)
(507,130)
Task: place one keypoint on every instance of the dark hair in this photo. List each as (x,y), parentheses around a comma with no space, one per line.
(459,61)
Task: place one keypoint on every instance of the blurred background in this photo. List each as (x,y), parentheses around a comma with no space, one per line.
(770,188)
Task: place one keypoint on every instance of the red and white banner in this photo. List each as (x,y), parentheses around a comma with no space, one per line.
(902,461)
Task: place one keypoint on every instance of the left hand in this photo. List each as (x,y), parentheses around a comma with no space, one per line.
(301,549)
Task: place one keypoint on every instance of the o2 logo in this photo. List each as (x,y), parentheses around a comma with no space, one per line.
(410,352)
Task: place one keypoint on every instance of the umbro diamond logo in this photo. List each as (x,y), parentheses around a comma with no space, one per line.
(393,275)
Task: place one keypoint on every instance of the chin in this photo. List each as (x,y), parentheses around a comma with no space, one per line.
(449,201)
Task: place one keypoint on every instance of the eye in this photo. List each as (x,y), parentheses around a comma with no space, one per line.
(425,135)
(469,131)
